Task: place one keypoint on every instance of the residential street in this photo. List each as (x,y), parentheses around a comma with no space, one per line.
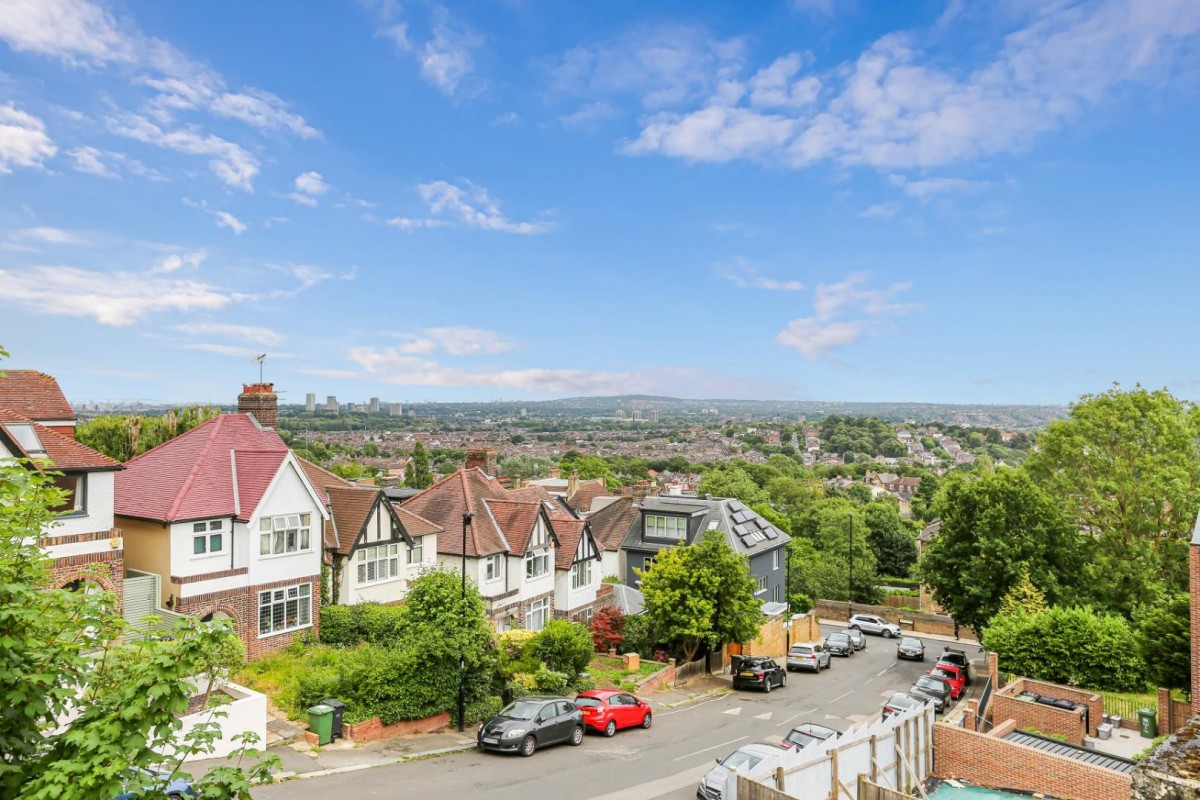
(664,762)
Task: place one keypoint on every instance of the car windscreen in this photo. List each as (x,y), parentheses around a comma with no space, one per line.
(931,685)
(522,709)
(910,642)
(586,702)
(740,759)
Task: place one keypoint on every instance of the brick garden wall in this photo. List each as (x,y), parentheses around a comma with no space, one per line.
(994,763)
(663,679)
(106,568)
(241,605)
(373,729)
(771,640)
(1194,583)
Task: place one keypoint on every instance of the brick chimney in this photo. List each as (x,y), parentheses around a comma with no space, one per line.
(572,484)
(260,400)
(640,490)
(555,471)
(484,459)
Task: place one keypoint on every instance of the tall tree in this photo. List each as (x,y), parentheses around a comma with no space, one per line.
(124,436)
(996,527)
(894,546)
(701,594)
(732,481)
(417,474)
(70,676)
(525,466)
(1126,468)
(1164,634)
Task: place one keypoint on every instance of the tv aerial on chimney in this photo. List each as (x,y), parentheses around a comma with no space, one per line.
(260,358)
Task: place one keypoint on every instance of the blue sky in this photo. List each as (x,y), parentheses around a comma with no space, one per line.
(809,199)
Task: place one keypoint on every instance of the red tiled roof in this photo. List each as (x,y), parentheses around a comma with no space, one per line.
(446,501)
(516,518)
(192,475)
(415,524)
(350,506)
(61,452)
(568,531)
(34,394)
(611,523)
(588,491)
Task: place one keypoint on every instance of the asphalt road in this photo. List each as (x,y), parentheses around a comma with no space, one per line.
(666,761)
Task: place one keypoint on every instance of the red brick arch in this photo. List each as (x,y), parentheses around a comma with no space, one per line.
(103,581)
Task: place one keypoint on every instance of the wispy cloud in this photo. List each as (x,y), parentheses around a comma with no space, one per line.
(90,160)
(472,206)
(230,162)
(925,188)
(309,186)
(415,223)
(223,219)
(48,235)
(745,275)
(894,107)
(257,335)
(177,261)
(23,139)
(457,341)
(880,211)
(249,353)
(445,56)
(827,329)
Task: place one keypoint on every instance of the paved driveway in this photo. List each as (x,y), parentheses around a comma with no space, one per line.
(663,762)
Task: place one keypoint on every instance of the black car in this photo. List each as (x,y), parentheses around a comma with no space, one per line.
(527,724)
(900,702)
(911,647)
(839,644)
(952,655)
(758,672)
(935,690)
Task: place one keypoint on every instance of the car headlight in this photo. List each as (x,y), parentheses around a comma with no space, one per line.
(513,733)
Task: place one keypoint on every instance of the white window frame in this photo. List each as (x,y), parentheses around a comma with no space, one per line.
(775,558)
(663,526)
(493,568)
(204,531)
(584,617)
(377,564)
(540,608)
(762,584)
(537,563)
(416,553)
(277,531)
(300,594)
(581,574)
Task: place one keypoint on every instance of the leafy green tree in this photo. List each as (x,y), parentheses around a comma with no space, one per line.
(1073,646)
(820,563)
(732,481)
(526,466)
(417,474)
(1165,635)
(565,647)
(1023,597)
(124,436)
(1126,467)
(70,677)
(895,548)
(994,529)
(701,594)
(588,467)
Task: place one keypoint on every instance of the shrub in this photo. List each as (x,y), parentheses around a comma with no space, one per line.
(551,681)
(515,644)
(607,627)
(638,636)
(564,647)
(337,625)
(373,623)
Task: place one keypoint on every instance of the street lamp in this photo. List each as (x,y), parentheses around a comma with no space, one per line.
(462,660)
(850,582)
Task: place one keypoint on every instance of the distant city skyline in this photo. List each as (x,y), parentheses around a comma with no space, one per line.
(932,201)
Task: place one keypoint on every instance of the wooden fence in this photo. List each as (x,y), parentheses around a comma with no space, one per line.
(873,791)
(691,669)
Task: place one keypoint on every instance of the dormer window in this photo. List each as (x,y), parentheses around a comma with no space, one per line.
(659,526)
(27,438)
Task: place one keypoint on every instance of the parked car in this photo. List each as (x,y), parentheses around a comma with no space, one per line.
(802,736)
(839,644)
(952,655)
(808,656)
(911,647)
(606,711)
(900,702)
(953,676)
(857,638)
(869,623)
(532,722)
(758,672)
(135,781)
(744,759)
(935,690)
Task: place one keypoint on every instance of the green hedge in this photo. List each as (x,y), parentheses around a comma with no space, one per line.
(372,623)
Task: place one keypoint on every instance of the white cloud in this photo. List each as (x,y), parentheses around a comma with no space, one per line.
(745,275)
(588,117)
(117,299)
(331,373)
(231,163)
(472,206)
(824,8)
(223,219)
(265,337)
(412,224)
(75,31)
(457,341)
(23,139)
(309,186)
(893,107)
(48,235)
(89,160)
(924,188)
(880,211)
(233,350)
(445,57)
(177,261)
(814,337)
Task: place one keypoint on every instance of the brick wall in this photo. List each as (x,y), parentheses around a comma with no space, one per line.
(1047,719)
(771,640)
(1170,709)
(241,605)
(994,763)
(921,623)
(373,729)
(106,568)
(1194,583)
(663,679)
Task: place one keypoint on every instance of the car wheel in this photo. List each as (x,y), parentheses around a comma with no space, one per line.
(887,634)
(528,746)
(577,735)
(611,728)
(767,685)
(646,720)
(783,679)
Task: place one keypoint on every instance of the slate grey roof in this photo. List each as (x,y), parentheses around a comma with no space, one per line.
(1092,757)
(628,599)
(745,531)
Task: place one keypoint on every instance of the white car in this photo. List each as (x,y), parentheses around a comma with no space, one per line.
(744,759)
(869,623)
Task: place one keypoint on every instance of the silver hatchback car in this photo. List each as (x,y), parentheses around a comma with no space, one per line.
(812,656)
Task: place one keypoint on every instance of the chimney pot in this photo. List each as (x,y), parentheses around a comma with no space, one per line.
(260,401)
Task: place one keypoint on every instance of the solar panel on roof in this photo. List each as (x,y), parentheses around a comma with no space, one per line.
(740,516)
(771,533)
(741,529)
(735,505)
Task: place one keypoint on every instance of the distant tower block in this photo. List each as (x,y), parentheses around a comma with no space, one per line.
(395,409)
(331,404)
(310,402)
(654,415)
(374,405)
(637,416)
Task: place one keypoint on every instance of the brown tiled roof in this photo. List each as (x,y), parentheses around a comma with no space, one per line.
(568,531)
(350,506)
(321,478)
(446,501)
(516,519)
(588,491)
(415,524)
(611,523)
(61,452)
(34,394)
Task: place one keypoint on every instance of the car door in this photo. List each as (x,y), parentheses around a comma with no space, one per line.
(821,654)
(546,723)
(566,719)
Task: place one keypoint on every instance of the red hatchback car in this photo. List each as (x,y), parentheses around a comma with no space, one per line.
(606,710)
(953,676)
